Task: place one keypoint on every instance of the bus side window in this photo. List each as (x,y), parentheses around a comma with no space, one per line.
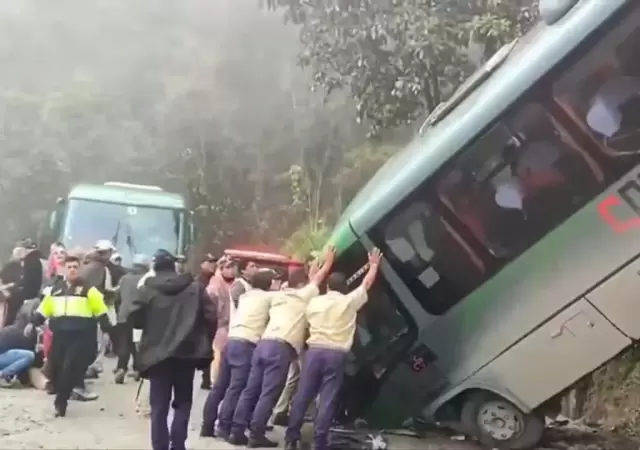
(519,181)
(428,256)
(601,93)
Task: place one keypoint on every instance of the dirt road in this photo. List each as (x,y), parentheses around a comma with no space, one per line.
(26,422)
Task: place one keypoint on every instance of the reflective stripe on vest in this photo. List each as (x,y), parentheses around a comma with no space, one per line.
(71,306)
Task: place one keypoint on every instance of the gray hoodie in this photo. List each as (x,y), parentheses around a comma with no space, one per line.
(129,291)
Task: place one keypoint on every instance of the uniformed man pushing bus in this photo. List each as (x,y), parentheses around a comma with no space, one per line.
(332,326)
(246,329)
(279,347)
(72,307)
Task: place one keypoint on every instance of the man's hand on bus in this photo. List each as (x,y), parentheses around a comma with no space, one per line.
(328,257)
(375,256)
(374,261)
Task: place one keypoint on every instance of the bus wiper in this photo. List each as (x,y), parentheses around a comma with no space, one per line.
(114,239)
(128,239)
(130,245)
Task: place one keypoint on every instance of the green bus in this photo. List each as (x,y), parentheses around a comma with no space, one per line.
(510,229)
(136,218)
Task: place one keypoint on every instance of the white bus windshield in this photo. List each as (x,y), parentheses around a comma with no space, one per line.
(132,229)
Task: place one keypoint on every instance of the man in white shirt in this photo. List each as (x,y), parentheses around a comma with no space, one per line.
(281,343)
(604,116)
(245,330)
(332,326)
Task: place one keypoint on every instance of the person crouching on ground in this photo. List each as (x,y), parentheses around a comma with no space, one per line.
(72,307)
(127,295)
(178,324)
(332,326)
(17,351)
(279,347)
(246,328)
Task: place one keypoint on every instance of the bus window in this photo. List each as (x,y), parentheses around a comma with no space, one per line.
(601,92)
(519,181)
(427,256)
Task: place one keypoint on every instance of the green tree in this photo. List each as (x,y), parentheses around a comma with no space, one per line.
(400,58)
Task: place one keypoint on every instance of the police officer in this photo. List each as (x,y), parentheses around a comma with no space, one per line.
(279,347)
(332,326)
(72,307)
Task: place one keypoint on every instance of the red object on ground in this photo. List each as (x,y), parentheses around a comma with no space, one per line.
(47,337)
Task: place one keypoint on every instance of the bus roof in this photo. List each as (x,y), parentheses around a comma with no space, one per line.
(535,55)
(127,195)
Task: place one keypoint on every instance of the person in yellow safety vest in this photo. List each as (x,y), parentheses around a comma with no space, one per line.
(72,308)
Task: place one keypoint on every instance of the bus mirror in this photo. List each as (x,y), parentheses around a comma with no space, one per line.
(53,219)
(192,231)
(60,200)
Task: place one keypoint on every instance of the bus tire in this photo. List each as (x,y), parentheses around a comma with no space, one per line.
(499,424)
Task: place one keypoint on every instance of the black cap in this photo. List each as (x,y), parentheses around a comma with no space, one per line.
(163,258)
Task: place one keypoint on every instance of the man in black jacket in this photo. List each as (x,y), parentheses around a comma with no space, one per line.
(178,323)
(30,282)
(127,295)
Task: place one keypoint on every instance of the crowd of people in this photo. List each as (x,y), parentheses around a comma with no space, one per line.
(267,345)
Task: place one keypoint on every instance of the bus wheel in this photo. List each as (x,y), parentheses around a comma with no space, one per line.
(499,424)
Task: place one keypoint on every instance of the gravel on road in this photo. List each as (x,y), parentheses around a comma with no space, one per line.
(111,422)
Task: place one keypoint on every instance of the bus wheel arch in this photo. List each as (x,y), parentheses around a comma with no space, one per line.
(498,422)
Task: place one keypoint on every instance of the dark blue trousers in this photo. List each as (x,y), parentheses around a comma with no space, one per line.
(322,375)
(234,372)
(269,369)
(170,378)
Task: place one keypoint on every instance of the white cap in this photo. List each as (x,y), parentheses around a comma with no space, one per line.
(104,245)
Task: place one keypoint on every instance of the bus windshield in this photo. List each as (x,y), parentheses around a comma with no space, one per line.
(132,229)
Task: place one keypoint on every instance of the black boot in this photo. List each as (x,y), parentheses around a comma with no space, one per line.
(261,442)
(206,431)
(291,445)
(60,410)
(237,439)
(119,376)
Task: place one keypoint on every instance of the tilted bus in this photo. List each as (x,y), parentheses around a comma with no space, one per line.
(511,232)
(136,218)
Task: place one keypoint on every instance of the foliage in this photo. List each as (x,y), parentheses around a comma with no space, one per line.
(183,95)
(304,241)
(400,58)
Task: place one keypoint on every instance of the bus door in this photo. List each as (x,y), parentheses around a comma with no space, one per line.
(390,374)
(619,297)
